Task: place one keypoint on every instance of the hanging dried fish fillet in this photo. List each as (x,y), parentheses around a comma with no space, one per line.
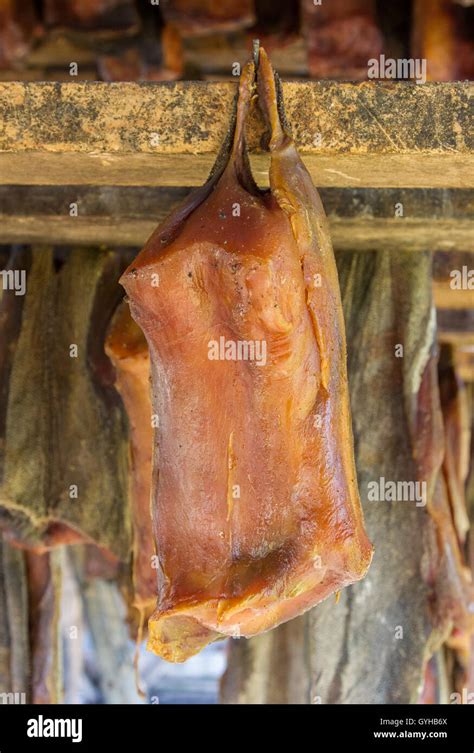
(63,456)
(128,350)
(14,640)
(449,571)
(255,504)
(456,415)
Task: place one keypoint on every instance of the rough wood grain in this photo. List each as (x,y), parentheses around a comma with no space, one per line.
(360,219)
(367,134)
(453,280)
(456,326)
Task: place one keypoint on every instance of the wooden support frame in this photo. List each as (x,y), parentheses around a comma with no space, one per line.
(370,134)
(360,219)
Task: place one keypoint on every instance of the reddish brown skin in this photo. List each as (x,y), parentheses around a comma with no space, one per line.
(128,351)
(195,17)
(18,29)
(455,587)
(445,569)
(90,13)
(341,36)
(455,407)
(56,534)
(279,432)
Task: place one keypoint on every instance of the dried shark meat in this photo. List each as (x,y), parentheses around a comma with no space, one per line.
(63,454)
(128,350)
(254,496)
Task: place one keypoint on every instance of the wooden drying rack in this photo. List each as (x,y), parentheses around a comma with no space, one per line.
(378,135)
(127,152)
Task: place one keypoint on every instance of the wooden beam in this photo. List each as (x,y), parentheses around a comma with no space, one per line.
(453,287)
(396,134)
(360,219)
(348,234)
(456,326)
(464,362)
(446,297)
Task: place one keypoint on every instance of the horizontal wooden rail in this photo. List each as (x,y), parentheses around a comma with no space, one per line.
(360,219)
(371,134)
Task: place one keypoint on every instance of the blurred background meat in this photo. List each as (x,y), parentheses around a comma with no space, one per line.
(341,37)
(136,40)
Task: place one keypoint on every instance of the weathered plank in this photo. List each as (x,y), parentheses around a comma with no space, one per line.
(360,219)
(453,280)
(456,326)
(464,361)
(446,297)
(347,234)
(367,134)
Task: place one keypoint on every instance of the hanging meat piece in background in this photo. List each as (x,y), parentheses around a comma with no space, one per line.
(95,15)
(136,64)
(254,499)
(63,458)
(155,55)
(194,17)
(445,568)
(429,691)
(128,350)
(14,634)
(457,430)
(44,594)
(434,38)
(19,27)
(442,35)
(446,572)
(212,56)
(454,588)
(469,666)
(276,20)
(342,36)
